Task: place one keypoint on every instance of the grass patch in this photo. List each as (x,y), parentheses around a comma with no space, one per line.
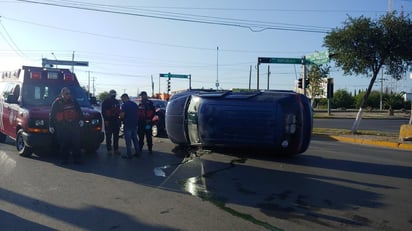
(338,131)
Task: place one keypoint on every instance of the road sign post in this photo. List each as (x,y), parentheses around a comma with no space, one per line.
(278,61)
(178,76)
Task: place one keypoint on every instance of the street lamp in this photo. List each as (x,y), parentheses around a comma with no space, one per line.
(54,57)
(217,68)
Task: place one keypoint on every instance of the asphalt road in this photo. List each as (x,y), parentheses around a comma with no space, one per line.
(383,125)
(332,186)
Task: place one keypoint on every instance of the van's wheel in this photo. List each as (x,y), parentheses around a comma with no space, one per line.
(2,137)
(21,147)
(92,148)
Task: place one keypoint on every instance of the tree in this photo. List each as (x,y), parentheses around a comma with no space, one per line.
(373,101)
(393,101)
(316,75)
(341,98)
(103,95)
(363,46)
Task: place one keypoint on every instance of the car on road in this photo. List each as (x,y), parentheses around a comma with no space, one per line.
(278,120)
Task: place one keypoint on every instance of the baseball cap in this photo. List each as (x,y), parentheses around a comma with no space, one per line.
(143,93)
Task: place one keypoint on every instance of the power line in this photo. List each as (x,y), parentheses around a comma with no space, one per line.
(10,41)
(252,26)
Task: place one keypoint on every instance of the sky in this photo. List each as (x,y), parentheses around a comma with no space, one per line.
(129,43)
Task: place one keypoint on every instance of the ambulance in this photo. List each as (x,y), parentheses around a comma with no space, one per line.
(26,96)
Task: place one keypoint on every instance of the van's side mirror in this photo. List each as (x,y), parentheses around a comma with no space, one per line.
(11,99)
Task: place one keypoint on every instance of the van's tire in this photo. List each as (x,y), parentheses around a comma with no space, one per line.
(92,148)
(3,137)
(21,146)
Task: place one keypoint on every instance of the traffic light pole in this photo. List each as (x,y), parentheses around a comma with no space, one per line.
(304,75)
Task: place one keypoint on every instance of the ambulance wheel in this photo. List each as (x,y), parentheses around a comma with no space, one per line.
(21,146)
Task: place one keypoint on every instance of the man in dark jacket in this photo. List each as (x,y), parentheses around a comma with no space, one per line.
(146,114)
(129,116)
(66,119)
(112,123)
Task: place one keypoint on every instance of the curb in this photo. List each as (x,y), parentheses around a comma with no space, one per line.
(387,144)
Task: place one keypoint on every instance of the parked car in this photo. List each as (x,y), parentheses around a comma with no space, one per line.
(158,127)
(277,120)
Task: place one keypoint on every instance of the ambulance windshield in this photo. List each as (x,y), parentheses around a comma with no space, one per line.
(43,94)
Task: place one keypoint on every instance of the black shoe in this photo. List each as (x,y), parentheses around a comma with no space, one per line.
(126,157)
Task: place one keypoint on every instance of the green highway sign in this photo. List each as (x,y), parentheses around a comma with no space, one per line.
(280,60)
(318,58)
(174,76)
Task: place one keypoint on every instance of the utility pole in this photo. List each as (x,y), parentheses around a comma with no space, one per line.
(250,76)
(268,77)
(152,85)
(88,83)
(217,67)
(94,88)
(73,62)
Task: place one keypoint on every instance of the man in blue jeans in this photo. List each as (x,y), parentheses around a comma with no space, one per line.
(129,116)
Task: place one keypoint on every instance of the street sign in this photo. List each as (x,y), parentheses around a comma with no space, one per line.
(280,60)
(64,62)
(174,76)
(318,58)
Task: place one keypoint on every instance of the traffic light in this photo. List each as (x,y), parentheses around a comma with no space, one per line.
(329,89)
(168,84)
(300,83)
(306,82)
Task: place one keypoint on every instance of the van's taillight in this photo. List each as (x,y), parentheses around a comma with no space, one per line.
(35,75)
(68,77)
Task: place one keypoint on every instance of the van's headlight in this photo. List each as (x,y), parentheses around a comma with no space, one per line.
(39,123)
(95,121)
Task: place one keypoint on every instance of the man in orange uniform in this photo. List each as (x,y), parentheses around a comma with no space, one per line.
(145,115)
(66,120)
(112,123)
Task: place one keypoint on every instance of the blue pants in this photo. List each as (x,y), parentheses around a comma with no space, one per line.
(130,134)
(143,131)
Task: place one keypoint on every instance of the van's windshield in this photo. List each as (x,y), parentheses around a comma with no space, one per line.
(43,94)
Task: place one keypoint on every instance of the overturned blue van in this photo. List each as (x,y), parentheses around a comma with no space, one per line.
(277,120)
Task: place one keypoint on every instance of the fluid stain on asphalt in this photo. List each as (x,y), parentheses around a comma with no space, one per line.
(196,186)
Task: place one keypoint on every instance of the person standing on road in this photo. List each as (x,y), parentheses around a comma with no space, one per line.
(146,114)
(129,116)
(111,112)
(66,120)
